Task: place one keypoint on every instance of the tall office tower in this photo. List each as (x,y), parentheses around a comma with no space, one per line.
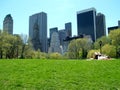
(8,24)
(100,25)
(55,43)
(68,28)
(119,23)
(55,29)
(38,31)
(62,36)
(86,22)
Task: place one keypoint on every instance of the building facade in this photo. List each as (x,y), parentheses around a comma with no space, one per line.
(100,25)
(55,43)
(62,36)
(38,31)
(8,24)
(119,23)
(114,27)
(68,28)
(86,22)
(55,29)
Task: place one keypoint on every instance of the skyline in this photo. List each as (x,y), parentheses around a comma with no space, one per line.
(58,12)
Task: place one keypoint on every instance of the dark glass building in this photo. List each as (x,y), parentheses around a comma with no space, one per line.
(100,25)
(55,29)
(8,24)
(119,23)
(68,28)
(38,31)
(114,27)
(62,36)
(86,22)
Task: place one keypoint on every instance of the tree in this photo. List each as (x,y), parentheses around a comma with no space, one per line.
(115,40)
(18,45)
(103,39)
(1,45)
(24,39)
(10,45)
(79,48)
(72,50)
(109,50)
(15,46)
(91,53)
(7,41)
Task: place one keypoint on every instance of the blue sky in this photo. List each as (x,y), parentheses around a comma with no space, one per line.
(58,12)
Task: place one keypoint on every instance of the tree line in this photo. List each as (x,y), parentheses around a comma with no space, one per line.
(15,46)
(107,45)
(19,47)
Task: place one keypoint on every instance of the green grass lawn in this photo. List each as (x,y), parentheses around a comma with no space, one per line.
(59,75)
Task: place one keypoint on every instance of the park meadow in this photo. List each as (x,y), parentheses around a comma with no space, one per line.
(48,74)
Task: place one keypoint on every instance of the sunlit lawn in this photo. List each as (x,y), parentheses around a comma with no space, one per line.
(59,75)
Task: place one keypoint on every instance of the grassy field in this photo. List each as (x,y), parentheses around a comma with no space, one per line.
(59,75)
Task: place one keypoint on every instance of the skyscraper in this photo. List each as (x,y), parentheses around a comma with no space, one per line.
(86,22)
(8,24)
(55,43)
(62,36)
(55,29)
(68,28)
(119,23)
(100,25)
(38,31)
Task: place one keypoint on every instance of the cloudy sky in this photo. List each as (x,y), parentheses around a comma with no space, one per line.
(58,12)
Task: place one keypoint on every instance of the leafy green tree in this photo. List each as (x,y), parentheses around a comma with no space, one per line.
(115,40)
(24,40)
(29,54)
(72,50)
(15,46)
(103,39)
(28,51)
(91,53)
(79,48)
(18,45)
(10,45)
(6,44)
(109,50)
(1,45)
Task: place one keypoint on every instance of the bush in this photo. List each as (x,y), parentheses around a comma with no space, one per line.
(91,53)
(109,50)
(31,54)
(55,56)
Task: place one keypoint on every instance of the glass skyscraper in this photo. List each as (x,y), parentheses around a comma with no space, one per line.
(100,25)
(62,36)
(55,29)
(38,31)
(86,22)
(119,23)
(8,24)
(68,28)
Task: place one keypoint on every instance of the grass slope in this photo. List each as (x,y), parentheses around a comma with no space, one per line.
(59,75)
